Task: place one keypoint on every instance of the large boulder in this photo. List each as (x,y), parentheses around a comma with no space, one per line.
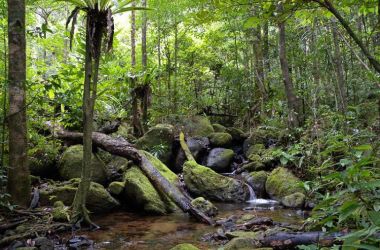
(197,126)
(70,165)
(116,167)
(159,141)
(237,134)
(220,139)
(139,192)
(98,199)
(282,183)
(203,181)
(219,128)
(219,159)
(260,158)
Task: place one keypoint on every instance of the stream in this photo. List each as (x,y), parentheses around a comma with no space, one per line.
(126,230)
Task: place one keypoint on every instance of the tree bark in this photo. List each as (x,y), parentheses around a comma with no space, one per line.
(124,149)
(133,37)
(143,36)
(295,115)
(18,173)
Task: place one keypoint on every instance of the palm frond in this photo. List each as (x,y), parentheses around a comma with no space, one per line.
(73,19)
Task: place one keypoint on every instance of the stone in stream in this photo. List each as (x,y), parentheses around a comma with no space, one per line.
(98,199)
(203,181)
(219,159)
(205,206)
(282,185)
(158,140)
(220,139)
(139,192)
(70,165)
(257,181)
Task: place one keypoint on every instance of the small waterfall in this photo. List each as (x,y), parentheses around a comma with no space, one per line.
(252,195)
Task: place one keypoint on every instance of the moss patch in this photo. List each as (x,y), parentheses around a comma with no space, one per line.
(281,182)
(220,139)
(184,246)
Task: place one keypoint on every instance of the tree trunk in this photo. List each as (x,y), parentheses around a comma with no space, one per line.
(259,62)
(124,149)
(293,102)
(143,36)
(93,52)
(176,45)
(18,172)
(133,37)
(342,98)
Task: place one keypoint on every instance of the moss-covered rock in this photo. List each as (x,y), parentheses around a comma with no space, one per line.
(245,234)
(296,200)
(141,194)
(98,199)
(205,206)
(196,126)
(220,139)
(184,246)
(203,181)
(260,158)
(281,183)
(60,212)
(265,135)
(125,132)
(219,159)
(237,134)
(158,140)
(116,167)
(257,181)
(218,128)
(43,159)
(116,188)
(70,165)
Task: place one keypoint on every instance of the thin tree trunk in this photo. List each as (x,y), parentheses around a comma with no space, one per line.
(259,62)
(4,104)
(293,101)
(133,37)
(143,36)
(93,52)
(18,173)
(176,47)
(342,103)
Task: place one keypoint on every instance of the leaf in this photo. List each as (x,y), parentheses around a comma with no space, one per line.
(365,147)
(347,209)
(51,94)
(374,217)
(252,22)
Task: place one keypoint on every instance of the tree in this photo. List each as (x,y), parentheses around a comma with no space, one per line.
(18,173)
(99,23)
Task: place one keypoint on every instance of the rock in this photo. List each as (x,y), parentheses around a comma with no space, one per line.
(257,181)
(116,188)
(260,158)
(43,160)
(60,212)
(44,243)
(159,141)
(98,200)
(219,128)
(205,206)
(116,167)
(70,165)
(220,139)
(219,159)
(141,194)
(125,132)
(184,246)
(245,218)
(268,136)
(205,182)
(27,248)
(241,243)
(237,134)
(281,182)
(196,126)
(296,200)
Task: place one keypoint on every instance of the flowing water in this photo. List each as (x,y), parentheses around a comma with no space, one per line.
(124,230)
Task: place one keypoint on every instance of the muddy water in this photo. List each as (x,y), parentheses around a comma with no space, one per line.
(123,230)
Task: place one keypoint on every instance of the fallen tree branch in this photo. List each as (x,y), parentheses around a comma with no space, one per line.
(185,148)
(125,149)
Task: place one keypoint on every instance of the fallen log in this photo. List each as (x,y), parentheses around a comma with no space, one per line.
(185,148)
(125,149)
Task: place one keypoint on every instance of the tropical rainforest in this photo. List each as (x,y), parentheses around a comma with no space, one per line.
(183,125)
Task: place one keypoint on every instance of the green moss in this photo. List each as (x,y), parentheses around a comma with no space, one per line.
(197,126)
(60,213)
(184,246)
(164,170)
(245,234)
(70,165)
(205,206)
(43,158)
(203,181)
(116,187)
(236,133)
(158,140)
(255,149)
(125,132)
(281,182)
(220,139)
(218,128)
(296,200)
(98,200)
(140,192)
(258,182)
